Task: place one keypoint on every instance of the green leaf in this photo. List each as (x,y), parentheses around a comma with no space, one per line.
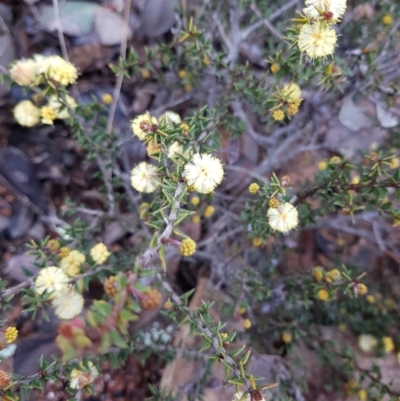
(161,254)
(117,339)
(237,351)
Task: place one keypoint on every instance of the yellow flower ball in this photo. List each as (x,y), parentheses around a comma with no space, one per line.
(209,211)
(388,344)
(362,289)
(204,172)
(322,165)
(254,188)
(318,273)
(370,299)
(107,98)
(188,247)
(48,115)
(274,203)
(99,253)
(246,324)
(292,94)
(182,74)
(323,295)
(72,263)
(145,73)
(287,337)
(144,125)
(55,68)
(26,113)
(333,275)
(292,109)
(10,334)
(196,219)
(257,242)
(152,299)
(25,72)
(362,395)
(387,19)
(111,286)
(168,305)
(278,115)
(283,218)
(195,201)
(64,252)
(145,178)
(317,40)
(274,68)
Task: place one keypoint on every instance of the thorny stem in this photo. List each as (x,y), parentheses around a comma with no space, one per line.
(203,329)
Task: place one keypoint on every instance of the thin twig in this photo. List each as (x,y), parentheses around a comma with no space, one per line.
(59,30)
(118,83)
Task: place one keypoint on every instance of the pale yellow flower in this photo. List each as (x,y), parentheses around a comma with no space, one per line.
(317,40)
(144,178)
(60,110)
(24,72)
(177,149)
(204,173)
(336,7)
(170,118)
(48,115)
(388,344)
(367,343)
(292,93)
(283,218)
(68,304)
(99,253)
(83,376)
(55,68)
(72,263)
(51,280)
(144,125)
(26,113)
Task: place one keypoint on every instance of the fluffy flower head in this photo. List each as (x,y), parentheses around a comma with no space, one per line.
(61,111)
(99,253)
(68,304)
(57,69)
(71,264)
(367,343)
(24,72)
(283,218)
(26,113)
(204,173)
(292,93)
(170,118)
(80,378)
(330,8)
(51,279)
(144,178)
(144,125)
(317,40)
(48,115)
(177,149)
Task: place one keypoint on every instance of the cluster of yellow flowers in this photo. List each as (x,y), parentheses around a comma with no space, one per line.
(317,38)
(53,70)
(55,281)
(289,100)
(203,172)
